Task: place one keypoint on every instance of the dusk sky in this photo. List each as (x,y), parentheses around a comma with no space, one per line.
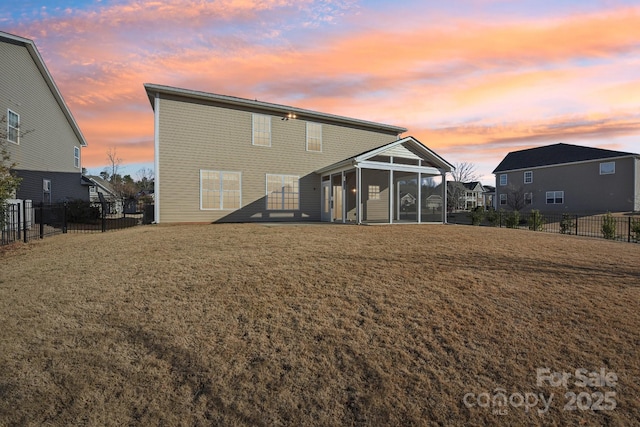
(471,79)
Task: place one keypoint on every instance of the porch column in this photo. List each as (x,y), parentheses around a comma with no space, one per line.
(391,196)
(344,198)
(444,197)
(419,207)
(358,195)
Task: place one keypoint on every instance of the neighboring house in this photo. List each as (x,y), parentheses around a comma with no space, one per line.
(222,158)
(99,186)
(473,192)
(569,178)
(43,138)
(488,196)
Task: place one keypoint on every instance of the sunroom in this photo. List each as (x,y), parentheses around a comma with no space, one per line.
(400,182)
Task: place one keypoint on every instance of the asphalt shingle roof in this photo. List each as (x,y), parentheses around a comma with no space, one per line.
(554,155)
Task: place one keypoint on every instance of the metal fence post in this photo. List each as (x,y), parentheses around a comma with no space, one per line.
(629,230)
(42,220)
(65,206)
(576,225)
(24,223)
(104,217)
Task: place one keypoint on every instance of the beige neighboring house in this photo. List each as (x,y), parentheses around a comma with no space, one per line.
(569,178)
(43,138)
(226,159)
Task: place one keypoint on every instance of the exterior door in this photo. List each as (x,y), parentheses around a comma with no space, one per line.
(326,201)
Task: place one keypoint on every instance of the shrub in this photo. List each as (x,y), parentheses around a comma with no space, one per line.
(81,212)
(513,219)
(492,217)
(536,220)
(609,226)
(476,214)
(567,225)
(635,229)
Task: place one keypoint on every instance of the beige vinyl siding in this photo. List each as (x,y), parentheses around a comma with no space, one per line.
(49,144)
(195,136)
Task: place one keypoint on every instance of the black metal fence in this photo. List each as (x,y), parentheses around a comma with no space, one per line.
(27,221)
(622,227)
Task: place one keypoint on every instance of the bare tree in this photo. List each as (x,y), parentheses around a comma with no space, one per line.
(464,172)
(114,161)
(515,197)
(145,179)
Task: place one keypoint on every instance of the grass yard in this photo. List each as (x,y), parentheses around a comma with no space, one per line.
(319,325)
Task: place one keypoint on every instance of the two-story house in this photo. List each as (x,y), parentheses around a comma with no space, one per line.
(569,178)
(42,137)
(223,158)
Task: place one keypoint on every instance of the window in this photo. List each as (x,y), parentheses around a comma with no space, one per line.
(607,168)
(503,199)
(528,198)
(92,189)
(282,192)
(314,137)
(220,190)
(528,177)
(261,130)
(503,179)
(13,125)
(555,197)
(374,192)
(76,157)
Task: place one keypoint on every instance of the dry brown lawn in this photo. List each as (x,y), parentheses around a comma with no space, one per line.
(317,325)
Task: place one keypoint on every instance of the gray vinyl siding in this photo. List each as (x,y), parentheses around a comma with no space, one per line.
(585,190)
(195,136)
(49,144)
(65,186)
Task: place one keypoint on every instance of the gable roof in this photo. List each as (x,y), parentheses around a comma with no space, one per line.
(473,185)
(102,183)
(555,154)
(268,108)
(35,55)
(407,147)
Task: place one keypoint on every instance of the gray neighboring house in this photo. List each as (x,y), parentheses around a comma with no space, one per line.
(43,137)
(220,158)
(570,178)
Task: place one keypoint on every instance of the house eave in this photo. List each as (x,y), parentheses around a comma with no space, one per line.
(266,107)
(37,59)
(603,159)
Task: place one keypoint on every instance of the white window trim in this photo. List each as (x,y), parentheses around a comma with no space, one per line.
(530,181)
(267,192)
(503,197)
(253,129)
(76,158)
(608,163)
(222,208)
(530,198)
(17,129)
(307,129)
(504,175)
(554,197)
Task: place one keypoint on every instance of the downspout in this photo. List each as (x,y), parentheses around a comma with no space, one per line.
(156,162)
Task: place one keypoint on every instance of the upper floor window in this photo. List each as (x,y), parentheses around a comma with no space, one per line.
(607,168)
(528,177)
(555,197)
(13,126)
(314,137)
(220,190)
(261,130)
(283,192)
(76,157)
(503,179)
